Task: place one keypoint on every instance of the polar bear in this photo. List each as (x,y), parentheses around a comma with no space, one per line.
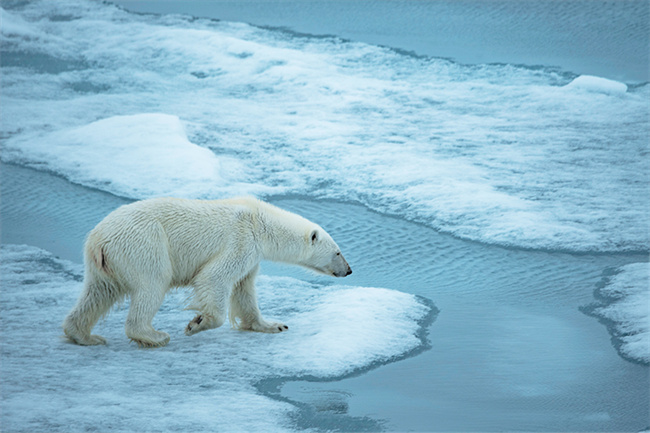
(144,249)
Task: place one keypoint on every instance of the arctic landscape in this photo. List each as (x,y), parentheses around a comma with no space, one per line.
(495,213)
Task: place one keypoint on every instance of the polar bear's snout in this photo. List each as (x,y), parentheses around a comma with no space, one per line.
(342,267)
(347,272)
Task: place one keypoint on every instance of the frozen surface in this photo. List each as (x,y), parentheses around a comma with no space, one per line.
(202,383)
(502,154)
(610,35)
(628,309)
(142,155)
(597,85)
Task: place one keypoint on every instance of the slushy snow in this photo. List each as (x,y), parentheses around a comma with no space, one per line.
(199,383)
(500,154)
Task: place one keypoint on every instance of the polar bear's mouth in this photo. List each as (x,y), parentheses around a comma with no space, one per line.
(319,270)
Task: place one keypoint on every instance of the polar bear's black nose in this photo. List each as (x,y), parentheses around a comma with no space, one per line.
(345,273)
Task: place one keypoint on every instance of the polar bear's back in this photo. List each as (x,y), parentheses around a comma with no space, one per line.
(175,213)
(169,235)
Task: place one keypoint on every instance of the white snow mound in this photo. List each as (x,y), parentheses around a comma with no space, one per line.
(593,84)
(138,156)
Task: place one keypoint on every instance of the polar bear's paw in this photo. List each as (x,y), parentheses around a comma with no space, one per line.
(151,340)
(268,327)
(202,322)
(94,340)
(89,340)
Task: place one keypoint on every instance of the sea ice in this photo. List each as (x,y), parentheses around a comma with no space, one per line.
(500,154)
(597,85)
(138,156)
(14,25)
(200,383)
(628,308)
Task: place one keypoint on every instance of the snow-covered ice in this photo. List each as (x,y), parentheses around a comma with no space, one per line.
(199,383)
(502,154)
(627,310)
(597,85)
(140,156)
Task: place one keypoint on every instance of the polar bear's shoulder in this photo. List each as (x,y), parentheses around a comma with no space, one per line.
(168,207)
(183,204)
(269,213)
(247,202)
(256,206)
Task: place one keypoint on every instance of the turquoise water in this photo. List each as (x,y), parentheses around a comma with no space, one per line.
(508,350)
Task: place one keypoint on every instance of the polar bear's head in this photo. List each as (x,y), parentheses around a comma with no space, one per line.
(324,256)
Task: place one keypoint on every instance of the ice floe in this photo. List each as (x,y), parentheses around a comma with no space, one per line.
(626,310)
(199,383)
(502,154)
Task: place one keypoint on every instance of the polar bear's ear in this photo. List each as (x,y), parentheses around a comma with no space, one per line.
(314,236)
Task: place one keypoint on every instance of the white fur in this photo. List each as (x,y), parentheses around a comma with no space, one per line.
(144,249)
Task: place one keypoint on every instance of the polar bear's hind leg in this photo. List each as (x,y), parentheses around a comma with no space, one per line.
(96,300)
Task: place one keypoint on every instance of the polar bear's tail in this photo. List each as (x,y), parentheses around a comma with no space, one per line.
(99,295)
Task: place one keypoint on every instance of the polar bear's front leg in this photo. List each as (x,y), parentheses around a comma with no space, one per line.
(268,327)
(202,322)
(211,291)
(243,306)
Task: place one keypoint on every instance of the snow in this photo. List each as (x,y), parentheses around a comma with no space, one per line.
(13,25)
(628,307)
(590,83)
(199,383)
(341,345)
(501,154)
(138,156)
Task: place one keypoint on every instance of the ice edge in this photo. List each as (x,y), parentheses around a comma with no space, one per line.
(308,417)
(602,301)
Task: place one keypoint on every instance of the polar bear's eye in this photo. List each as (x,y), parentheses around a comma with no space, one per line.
(338,254)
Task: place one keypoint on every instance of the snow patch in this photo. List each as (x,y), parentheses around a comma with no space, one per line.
(138,156)
(590,83)
(337,344)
